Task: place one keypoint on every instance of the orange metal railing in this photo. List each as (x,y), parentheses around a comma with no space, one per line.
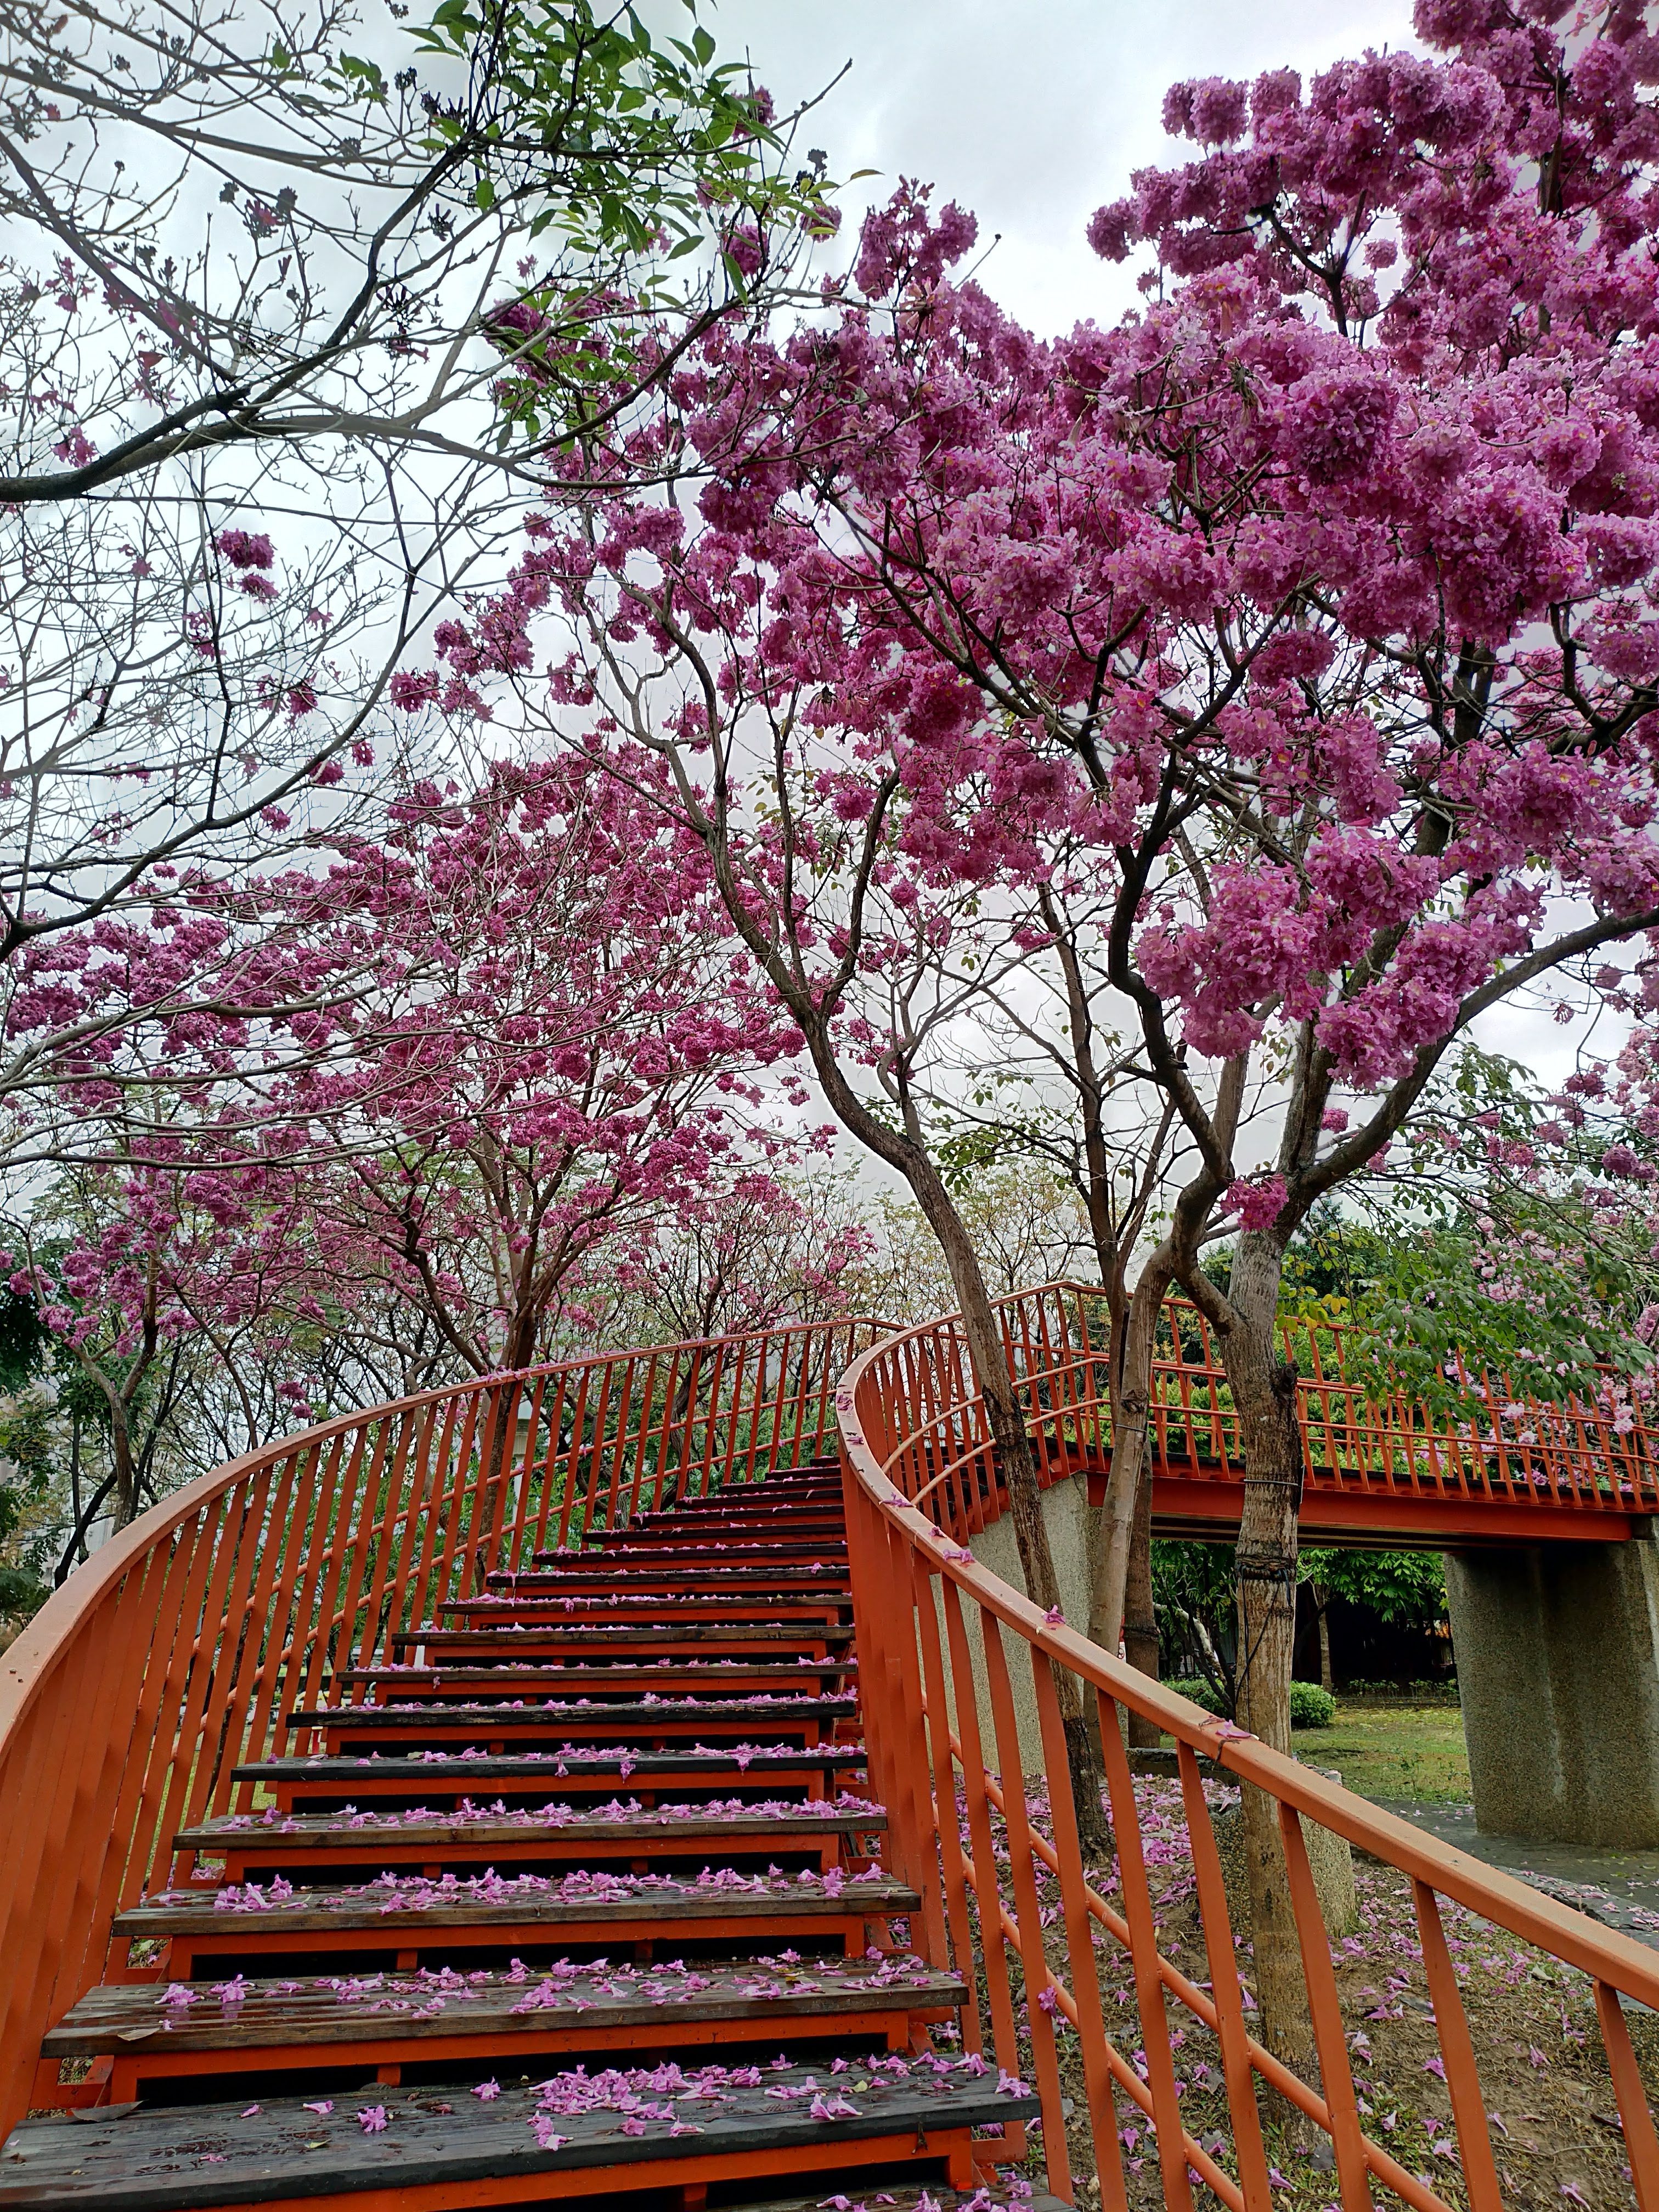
(963,1723)
(1504,1447)
(174,1653)
(173,1656)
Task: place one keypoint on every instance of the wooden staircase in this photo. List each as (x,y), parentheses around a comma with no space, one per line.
(570,1892)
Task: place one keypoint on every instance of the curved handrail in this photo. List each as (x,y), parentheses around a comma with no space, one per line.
(1360,1441)
(934,1629)
(172,1656)
(128,1706)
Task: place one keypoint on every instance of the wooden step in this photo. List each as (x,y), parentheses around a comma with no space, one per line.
(688,1676)
(418,1917)
(445,1775)
(812,1514)
(710,1575)
(804,1514)
(586,1642)
(381,2020)
(651,1551)
(346,1728)
(770,1533)
(657,2128)
(250,1843)
(664,1613)
(765,1534)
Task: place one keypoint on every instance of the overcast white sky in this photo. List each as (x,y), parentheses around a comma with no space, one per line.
(1030,112)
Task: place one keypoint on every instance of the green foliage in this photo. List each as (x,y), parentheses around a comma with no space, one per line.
(1332,1262)
(1204,1694)
(1194,1597)
(24,1454)
(634,152)
(1406,1588)
(1505,1255)
(1311,1706)
(26,1442)
(24,1339)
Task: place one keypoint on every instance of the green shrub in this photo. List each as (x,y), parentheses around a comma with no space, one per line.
(1311,1706)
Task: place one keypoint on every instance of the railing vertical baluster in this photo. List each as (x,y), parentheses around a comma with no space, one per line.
(1028,1911)
(391,1554)
(1325,2007)
(982,1858)
(1230,2031)
(340,1491)
(223,1633)
(251,1615)
(946,1818)
(158,1812)
(454,1466)
(1635,2113)
(1079,1935)
(1143,1953)
(1457,2056)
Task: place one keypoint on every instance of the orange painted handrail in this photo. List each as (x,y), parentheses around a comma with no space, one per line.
(1365,1457)
(942,1642)
(172,1655)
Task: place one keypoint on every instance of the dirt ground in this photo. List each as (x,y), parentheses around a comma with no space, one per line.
(1553,2121)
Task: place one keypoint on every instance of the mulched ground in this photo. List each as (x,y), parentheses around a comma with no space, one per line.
(1552,2114)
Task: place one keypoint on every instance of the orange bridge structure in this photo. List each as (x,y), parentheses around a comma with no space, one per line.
(626,1779)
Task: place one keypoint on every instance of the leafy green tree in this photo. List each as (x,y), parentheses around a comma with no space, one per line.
(1198,1622)
(26,1456)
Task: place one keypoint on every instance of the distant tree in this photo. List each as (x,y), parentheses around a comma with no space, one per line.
(291,335)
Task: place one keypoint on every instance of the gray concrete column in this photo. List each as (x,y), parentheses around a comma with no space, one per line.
(1066,1515)
(1557,1663)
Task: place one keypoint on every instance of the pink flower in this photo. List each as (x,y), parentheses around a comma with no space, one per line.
(1257,1203)
(243,550)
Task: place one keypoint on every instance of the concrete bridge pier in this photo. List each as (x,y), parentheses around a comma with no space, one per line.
(1558,1660)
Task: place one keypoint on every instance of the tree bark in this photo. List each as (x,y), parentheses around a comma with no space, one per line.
(125,1476)
(1132,1393)
(1139,1621)
(1264,1391)
(1322,1601)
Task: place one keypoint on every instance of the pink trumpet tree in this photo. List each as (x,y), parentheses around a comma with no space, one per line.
(573,1054)
(462,1064)
(1319,593)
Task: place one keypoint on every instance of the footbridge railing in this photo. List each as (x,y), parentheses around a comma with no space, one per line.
(174,1653)
(1079,1988)
(1506,1465)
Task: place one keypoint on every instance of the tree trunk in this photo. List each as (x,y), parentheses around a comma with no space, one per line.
(1139,1622)
(126,1479)
(1131,1398)
(1264,1391)
(1322,1599)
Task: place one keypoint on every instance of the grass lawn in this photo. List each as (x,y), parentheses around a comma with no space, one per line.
(1393,1750)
